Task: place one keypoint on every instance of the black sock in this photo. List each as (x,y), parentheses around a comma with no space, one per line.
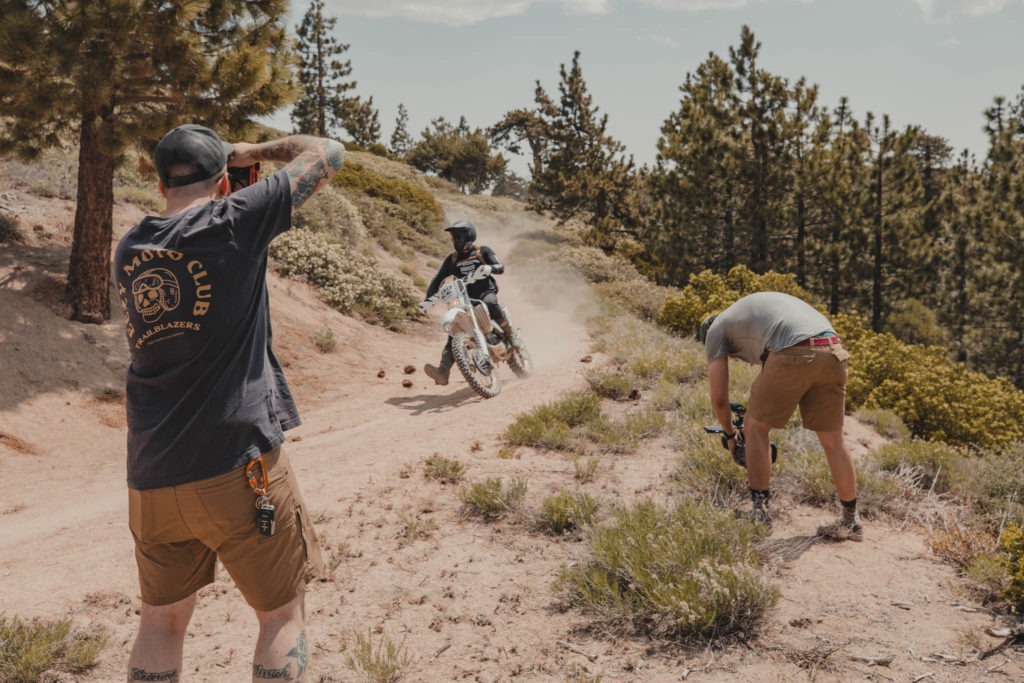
(849,507)
(760,498)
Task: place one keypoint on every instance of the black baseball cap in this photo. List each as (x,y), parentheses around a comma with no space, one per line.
(195,145)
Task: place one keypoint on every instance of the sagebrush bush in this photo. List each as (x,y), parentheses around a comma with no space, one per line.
(330,213)
(597,266)
(348,281)
(566,512)
(492,498)
(551,425)
(706,471)
(993,482)
(885,422)
(1011,549)
(932,465)
(30,649)
(411,203)
(681,573)
(625,434)
(640,297)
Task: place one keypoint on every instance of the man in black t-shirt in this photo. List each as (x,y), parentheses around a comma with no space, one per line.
(462,263)
(207,401)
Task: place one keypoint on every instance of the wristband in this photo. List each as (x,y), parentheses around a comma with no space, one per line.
(728,437)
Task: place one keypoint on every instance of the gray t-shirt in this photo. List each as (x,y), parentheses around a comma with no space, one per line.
(205,393)
(763,322)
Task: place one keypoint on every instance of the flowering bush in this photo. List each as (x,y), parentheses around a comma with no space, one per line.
(348,281)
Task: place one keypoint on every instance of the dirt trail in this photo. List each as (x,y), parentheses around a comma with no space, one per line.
(469,601)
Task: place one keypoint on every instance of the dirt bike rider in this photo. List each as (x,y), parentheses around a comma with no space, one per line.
(462,263)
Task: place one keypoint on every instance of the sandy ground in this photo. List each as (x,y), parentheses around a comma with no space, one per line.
(470,601)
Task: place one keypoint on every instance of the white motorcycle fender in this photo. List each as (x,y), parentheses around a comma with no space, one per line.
(452,324)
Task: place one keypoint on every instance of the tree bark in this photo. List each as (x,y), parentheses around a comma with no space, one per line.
(88,290)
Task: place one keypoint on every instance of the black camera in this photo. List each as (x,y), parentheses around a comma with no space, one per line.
(243,176)
(739,451)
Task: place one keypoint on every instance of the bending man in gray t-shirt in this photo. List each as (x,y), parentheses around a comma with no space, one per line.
(802,363)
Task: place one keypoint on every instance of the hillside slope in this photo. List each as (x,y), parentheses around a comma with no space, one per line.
(469,601)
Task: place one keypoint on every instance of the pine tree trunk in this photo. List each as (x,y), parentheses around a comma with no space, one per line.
(89,269)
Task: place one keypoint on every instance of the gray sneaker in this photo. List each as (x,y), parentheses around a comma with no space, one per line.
(436,374)
(760,515)
(843,529)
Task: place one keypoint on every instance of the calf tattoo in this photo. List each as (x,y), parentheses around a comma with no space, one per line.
(163,676)
(301,654)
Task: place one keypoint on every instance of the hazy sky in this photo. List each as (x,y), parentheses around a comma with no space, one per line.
(935,63)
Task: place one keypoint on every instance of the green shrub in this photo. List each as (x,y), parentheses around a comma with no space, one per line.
(331,214)
(444,470)
(491,498)
(349,282)
(706,472)
(932,465)
(708,293)
(567,511)
(681,573)
(624,435)
(640,297)
(994,483)
(408,202)
(30,649)
(1011,548)
(551,425)
(885,422)
(596,266)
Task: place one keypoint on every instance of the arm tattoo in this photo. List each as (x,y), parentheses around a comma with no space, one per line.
(312,169)
(170,676)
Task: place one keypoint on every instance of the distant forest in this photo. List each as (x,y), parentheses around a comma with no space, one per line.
(889,223)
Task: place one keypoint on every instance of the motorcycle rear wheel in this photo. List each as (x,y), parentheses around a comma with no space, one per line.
(464,348)
(519,360)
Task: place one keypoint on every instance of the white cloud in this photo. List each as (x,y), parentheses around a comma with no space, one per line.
(455,12)
(946,10)
(664,40)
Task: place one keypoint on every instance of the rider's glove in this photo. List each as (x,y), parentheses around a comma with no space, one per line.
(425,304)
(484,271)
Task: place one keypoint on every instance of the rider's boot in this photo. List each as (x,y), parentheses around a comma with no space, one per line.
(510,334)
(441,372)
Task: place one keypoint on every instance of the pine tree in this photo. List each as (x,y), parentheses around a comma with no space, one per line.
(401,141)
(586,172)
(322,108)
(458,154)
(121,73)
(362,121)
(696,197)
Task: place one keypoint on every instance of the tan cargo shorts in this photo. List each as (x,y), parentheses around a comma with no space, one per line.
(181,531)
(813,377)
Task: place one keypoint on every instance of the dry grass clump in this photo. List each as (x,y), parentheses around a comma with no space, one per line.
(552,425)
(443,470)
(383,661)
(566,512)
(885,422)
(10,233)
(679,573)
(492,499)
(31,650)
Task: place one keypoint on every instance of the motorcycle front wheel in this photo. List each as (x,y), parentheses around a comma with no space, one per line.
(483,380)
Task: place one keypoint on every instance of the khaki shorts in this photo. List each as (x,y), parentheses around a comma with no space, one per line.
(812,377)
(181,531)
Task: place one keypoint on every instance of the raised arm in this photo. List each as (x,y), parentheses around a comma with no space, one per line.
(311,161)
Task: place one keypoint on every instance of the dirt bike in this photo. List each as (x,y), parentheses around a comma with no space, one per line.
(739,451)
(478,343)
